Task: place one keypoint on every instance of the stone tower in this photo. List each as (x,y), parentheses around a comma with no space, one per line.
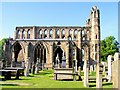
(94,22)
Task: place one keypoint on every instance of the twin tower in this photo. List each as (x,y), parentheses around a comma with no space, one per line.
(52,45)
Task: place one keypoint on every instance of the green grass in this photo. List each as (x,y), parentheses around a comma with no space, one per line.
(45,80)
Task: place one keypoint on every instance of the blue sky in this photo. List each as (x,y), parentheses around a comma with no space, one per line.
(56,13)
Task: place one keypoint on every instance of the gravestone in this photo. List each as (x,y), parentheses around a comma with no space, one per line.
(37,67)
(116,71)
(109,68)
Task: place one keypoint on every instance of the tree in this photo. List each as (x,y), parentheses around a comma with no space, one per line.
(1,47)
(108,47)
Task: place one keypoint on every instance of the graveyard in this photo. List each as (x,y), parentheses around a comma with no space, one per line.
(45,80)
(60,57)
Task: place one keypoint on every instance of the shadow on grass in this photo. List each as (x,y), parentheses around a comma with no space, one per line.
(2,79)
(44,73)
(92,81)
(23,79)
(9,85)
(106,84)
(92,85)
(66,80)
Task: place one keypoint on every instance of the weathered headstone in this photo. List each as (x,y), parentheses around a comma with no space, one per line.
(116,71)
(109,68)
(86,74)
(37,67)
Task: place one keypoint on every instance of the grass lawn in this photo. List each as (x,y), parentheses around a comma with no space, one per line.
(45,80)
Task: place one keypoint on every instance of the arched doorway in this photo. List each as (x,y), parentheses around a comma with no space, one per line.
(17,52)
(40,54)
(58,55)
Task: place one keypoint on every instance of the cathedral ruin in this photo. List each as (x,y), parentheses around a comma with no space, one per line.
(53,45)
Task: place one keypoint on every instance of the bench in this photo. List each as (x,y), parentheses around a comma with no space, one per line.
(8,73)
(20,70)
(64,73)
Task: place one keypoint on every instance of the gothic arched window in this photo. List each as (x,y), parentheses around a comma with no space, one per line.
(45,33)
(75,34)
(58,34)
(51,33)
(23,34)
(63,33)
(18,34)
(28,34)
(40,33)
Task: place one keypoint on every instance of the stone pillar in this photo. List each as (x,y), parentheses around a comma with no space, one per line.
(109,58)
(26,53)
(42,58)
(54,33)
(86,67)
(116,71)
(48,33)
(27,67)
(80,46)
(26,34)
(33,37)
(67,55)
(75,57)
(60,34)
(51,55)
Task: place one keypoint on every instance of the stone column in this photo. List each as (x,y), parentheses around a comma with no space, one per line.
(75,57)
(42,58)
(26,53)
(51,54)
(33,33)
(26,33)
(48,33)
(54,33)
(60,33)
(116,71)
(86,67)
(109,58)
(67,55)
(27,67)
(80,46)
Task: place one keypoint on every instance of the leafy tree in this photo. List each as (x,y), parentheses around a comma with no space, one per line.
(108,47)
(1,47)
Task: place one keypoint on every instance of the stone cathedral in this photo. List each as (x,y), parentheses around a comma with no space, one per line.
(53,45)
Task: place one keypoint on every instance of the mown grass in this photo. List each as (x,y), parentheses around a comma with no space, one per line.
(45,80)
